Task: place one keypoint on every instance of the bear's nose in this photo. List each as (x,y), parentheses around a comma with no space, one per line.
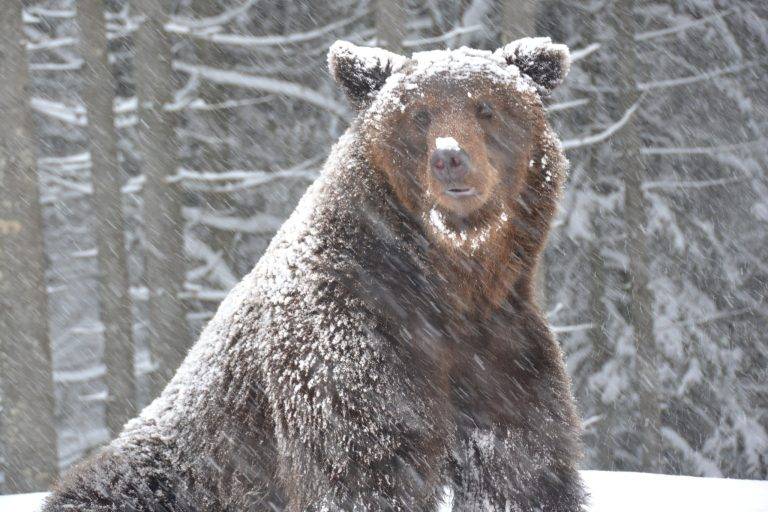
(450,165)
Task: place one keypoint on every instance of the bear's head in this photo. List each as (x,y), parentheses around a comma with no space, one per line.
(461,136)
(456,132)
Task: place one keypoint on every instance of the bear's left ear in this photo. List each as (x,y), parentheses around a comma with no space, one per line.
(545,62)
(361,71)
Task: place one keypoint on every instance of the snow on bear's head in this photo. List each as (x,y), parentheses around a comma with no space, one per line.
(455,131)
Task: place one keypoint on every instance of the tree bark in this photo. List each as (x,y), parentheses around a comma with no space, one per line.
(390,24)
(603,348)
(115,303)
(31,458)
(632,166)
(518,19)
(165,262)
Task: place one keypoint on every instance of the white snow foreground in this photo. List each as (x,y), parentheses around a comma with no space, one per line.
(610,492)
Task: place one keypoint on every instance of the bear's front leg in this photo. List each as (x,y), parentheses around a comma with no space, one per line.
(518,431)
(357,463)
(359,426)
(514,470)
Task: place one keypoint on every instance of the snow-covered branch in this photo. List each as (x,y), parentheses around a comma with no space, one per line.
(652,185)
(259,176)
(185,95)
(200,105)
(700,150)
(410,43)
(581,53)
(706,466)
(686,80)
(259,223)
(67,164)
(77,115)
(705,320)
(243,179)
(644,36)
(605,134)
(71,114)
(565,105)
(184,25)
(262,83)
(558,329)
(134,184)
(203,294)
(81,188)
(367,37)
(49,44)
(70,65)
(248,41)
(80,375)
(214,267)
(35,14)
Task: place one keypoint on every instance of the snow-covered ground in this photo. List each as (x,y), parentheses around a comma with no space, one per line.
(21,502)
(643,492)
(611,492)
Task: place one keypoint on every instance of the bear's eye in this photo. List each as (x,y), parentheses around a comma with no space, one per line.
(421,118)
(484,110)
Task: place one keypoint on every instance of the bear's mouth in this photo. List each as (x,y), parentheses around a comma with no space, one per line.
(461,191)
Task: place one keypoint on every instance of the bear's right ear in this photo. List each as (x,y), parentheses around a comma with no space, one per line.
(361,71)
(545,62)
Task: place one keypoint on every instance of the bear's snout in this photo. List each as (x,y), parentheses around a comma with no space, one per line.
(450,164)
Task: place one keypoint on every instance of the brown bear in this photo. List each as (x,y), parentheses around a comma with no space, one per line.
(387,345)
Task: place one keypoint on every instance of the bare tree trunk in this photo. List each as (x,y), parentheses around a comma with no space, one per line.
(632,166)
(163,220)
(518,19)
(31,459)
(115,303)
(602,347)
(390,24)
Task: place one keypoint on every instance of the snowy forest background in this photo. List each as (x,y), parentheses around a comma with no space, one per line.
(150,149)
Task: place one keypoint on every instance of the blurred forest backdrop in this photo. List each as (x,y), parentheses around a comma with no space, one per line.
(151,148)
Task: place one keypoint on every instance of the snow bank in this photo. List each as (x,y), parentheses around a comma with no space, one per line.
(643,492)
(611,492)
(22,502)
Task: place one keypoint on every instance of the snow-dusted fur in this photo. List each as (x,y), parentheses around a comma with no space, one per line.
(541,59)
(336,377)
